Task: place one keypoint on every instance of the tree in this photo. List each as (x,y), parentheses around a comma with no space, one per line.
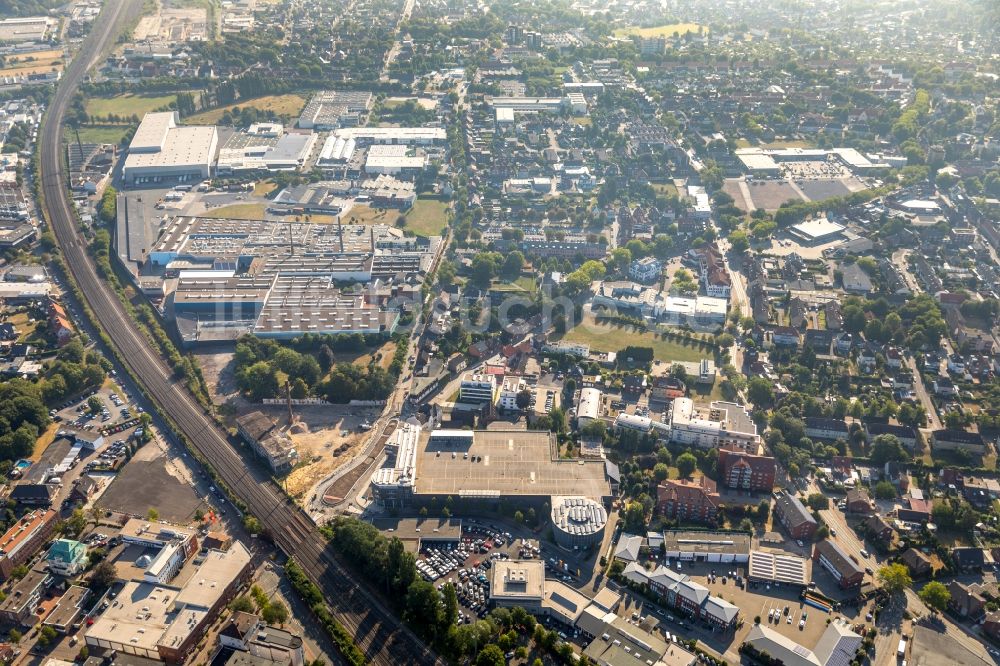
(242,604)
(686,464)
(818,502)
(884,490)
(513,264)
(152,514)
(887,448)
(635,518)
(490,656)
(739,241)
(661,472)
(894,577)
(46,636)
(523,399)
(275,612)
(104,575)
(935,595)
(760,392)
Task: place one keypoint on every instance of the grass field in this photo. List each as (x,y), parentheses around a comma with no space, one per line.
(127,105)
(247,211)
(97,133)
(427,217)
(667,30)
(665,189)
(264,187)
(608,337)
(776,145)
(37,62)
(282,105)
(363,214)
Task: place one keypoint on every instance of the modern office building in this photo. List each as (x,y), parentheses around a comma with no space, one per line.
(720,424)
(478,388)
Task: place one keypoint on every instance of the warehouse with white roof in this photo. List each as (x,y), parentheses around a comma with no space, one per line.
(163,151)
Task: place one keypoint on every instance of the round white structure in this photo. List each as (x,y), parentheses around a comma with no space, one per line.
(578,522)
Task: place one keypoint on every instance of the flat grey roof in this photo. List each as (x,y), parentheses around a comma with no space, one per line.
(505,462)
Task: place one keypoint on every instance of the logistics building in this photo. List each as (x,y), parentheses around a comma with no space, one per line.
(163,151)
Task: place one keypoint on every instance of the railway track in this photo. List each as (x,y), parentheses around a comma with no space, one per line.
(379,634)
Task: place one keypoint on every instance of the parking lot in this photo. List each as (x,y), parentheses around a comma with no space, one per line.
(467,563)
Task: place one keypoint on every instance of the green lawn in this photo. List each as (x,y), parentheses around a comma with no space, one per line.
(608,337)
(665,189)
(282,105)
(127,105)
(427,217)
(97,133)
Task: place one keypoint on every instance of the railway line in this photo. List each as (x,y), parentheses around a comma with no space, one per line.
(382,638)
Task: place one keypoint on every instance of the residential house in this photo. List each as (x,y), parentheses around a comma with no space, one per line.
(66,557)
(628,548)
(796,518)
(838,563)
(33,494)
(991,625)
(834,315)
(914,510)
(22,600)
(952,439)
(825,429)
(878,529)
(785,336)
(966,601)
(906,435)
(246,632)
(858,501)
(980,491)
(918,563)
(968,559)
(665,388)
(855,280)
(59,324)
(689,501)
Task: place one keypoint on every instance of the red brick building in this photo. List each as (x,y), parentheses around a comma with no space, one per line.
(743,471)
(689,501)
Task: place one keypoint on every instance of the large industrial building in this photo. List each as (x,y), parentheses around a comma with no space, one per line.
(720,424)
(484,466)
(285,279)
(265,147)
(163,151)
(336,108)
(768,162)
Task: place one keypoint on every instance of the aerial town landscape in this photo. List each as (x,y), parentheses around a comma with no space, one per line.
(486,332)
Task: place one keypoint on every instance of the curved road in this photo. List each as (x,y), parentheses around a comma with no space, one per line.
(379,634)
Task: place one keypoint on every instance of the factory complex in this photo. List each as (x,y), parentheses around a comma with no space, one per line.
(222,278)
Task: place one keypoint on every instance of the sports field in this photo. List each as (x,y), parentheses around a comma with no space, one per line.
(668,30)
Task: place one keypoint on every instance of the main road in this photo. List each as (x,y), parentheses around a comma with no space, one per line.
(375,629)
